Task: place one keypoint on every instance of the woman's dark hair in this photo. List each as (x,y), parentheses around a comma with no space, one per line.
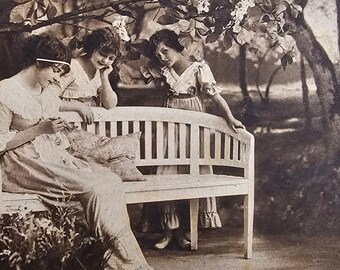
(46,47)
(168,37)
(103,40)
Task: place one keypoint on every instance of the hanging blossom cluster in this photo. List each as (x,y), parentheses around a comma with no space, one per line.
(239,12)
(202,6)
(119,25)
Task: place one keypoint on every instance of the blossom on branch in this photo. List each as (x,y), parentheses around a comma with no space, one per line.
(119,25)
(239,13)
(202,6)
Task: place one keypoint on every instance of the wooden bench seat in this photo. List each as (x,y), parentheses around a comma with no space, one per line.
(211,142)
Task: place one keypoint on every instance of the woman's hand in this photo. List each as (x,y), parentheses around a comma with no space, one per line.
(53,125)
(235,124)
(86,113)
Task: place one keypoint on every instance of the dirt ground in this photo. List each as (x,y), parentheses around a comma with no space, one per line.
(221,249)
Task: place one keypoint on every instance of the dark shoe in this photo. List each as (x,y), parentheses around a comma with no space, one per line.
(183,242)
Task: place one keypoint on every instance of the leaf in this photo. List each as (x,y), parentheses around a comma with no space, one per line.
(290,60)
(286,59)
(41,11)
(166,20)
(243,36)
(185,40)
(295,10)
(168,3)
(31,11)
(209,22)
(41,3)
(21,12)
(203,31)
(126,13)
(273,45)
(297,7)
(60,1)
(265,18)
(281,8)
(73,44)
(185,26)
(132,55)
(142,46)
(51,11)
(154,70)
(253,50)
(266,5)
(211,38)
(227,40)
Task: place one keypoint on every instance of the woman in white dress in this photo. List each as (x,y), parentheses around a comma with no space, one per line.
(34,158)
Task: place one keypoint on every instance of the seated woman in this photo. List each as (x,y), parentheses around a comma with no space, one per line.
(34,158)
(88,84)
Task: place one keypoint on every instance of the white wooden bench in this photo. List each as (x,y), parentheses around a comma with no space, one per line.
(222,148)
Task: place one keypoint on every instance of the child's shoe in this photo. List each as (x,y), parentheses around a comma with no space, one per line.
(163,243)
(183,242)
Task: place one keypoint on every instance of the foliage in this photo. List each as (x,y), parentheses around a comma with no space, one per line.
(212,20)
(53,240)
(297,189)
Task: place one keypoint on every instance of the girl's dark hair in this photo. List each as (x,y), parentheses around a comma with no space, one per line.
(44,46)
(103,40)
(168,37)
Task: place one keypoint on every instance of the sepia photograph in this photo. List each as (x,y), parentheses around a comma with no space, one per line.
(169,134)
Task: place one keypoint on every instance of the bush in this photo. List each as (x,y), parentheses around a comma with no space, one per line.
(57,239)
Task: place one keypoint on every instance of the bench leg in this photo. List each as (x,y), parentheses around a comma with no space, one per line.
(194,223)
(248,225)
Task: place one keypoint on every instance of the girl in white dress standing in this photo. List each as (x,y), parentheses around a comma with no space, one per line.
(189,82)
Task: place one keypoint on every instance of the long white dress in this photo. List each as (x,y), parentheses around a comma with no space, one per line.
(187,92)
(44,167)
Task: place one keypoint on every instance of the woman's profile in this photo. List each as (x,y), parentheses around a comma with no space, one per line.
(34,158)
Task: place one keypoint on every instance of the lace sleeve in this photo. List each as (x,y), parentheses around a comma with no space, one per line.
(206,80)
(5,121)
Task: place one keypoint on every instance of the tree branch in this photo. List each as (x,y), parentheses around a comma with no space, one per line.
(24,27)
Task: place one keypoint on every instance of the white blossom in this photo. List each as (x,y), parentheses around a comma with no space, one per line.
(119,25)
(239,12)
(202,6)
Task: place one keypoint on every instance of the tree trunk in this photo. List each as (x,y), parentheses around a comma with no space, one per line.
(338,18)
(269,84)
(325,78)
(305,98)
(243,74)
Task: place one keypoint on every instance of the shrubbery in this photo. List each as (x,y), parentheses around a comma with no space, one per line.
(58,239)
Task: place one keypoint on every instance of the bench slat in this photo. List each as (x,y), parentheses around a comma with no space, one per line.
(148,140)
(182,141)
(160,139)
(171,141)
(113,129)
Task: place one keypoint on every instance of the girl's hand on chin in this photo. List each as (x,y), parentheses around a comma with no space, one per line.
(106,70)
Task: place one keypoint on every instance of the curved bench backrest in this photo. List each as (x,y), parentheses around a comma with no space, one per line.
(174,137)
